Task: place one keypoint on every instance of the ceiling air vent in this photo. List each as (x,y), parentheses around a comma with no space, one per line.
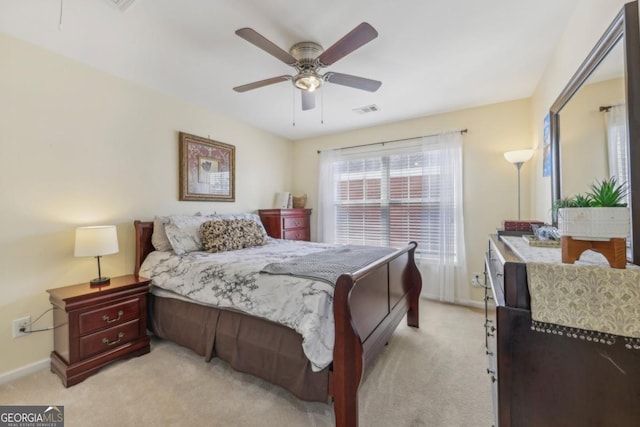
(121,4)
(367,109)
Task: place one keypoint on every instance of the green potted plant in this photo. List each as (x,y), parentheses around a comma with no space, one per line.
(601,214)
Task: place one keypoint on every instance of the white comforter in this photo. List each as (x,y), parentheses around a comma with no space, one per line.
(232,280)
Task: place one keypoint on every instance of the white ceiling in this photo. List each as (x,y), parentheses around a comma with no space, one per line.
(432,56)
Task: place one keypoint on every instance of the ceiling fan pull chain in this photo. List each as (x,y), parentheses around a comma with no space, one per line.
(60,18)
(322,106)
(293,105)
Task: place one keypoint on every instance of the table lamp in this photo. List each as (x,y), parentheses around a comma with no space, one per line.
(96,241)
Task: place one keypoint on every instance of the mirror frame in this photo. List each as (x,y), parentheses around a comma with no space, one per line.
(624,27)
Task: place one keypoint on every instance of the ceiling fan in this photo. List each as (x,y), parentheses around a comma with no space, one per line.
(308,58)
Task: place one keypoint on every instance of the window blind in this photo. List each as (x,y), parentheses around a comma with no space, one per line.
(389,196)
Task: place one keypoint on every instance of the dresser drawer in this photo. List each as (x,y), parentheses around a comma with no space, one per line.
(110,338)
(295,222)
(302,234)
(116,314)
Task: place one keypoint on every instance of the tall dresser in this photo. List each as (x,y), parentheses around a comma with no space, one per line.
(543,379)
(290,224)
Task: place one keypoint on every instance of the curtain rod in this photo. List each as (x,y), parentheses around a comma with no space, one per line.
(395,140)
(606,108)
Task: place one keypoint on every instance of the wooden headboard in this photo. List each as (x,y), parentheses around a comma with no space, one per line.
(144,230)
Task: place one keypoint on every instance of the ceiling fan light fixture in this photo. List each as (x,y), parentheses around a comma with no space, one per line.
(308,81)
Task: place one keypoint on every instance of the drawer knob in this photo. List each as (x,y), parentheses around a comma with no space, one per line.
(493,378)
(106,318)
(488,353)
(110,343)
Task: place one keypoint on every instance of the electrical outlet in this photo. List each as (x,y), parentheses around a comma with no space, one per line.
(478,279)
(23,322)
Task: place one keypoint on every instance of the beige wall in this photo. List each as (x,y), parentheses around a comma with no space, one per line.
(583,148)
(81,147)
(586,26)
(490,182)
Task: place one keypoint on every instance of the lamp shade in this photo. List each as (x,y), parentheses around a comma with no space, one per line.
(518,156)
(96,241)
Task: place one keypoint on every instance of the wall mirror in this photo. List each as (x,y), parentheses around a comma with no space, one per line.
(595,121)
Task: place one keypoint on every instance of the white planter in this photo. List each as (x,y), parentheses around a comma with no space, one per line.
(594,223)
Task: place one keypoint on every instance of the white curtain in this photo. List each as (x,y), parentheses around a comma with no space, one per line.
(451,261)
(440,234)
(326,196)
(618,148)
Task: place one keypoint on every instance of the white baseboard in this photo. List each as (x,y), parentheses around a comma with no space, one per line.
(470,303)
(466,302)
(7,377)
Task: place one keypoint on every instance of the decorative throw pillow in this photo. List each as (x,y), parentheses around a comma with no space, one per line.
(247,215)
(183,232)
(221,235)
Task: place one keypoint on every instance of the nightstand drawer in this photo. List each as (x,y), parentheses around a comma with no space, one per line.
(299,222)
(106,317)
(301,234)
(111,338)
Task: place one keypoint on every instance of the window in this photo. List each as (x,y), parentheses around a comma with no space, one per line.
(393,194)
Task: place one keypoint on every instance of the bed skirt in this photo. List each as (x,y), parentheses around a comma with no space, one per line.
(249,344)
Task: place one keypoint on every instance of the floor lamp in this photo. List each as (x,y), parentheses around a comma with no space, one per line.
(518,157)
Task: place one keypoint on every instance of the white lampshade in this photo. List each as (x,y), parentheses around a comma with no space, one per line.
(96,241)
(518,156)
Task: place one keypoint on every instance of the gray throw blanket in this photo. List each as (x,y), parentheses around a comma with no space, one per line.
(330,264)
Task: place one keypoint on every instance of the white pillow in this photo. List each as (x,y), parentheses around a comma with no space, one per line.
(159,238)
(183,232)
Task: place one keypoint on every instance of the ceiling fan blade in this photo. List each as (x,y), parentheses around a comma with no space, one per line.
(261,83)
(308,100)
(358,37)
(260,41)
(353,81)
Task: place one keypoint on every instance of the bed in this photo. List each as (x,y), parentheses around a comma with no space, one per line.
(367,306)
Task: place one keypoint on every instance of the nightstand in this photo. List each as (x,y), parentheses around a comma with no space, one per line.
(290,224)
(93,326)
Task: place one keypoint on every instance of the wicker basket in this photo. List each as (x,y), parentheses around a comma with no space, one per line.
(300,201)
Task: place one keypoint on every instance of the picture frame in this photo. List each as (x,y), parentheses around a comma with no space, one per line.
(206,169)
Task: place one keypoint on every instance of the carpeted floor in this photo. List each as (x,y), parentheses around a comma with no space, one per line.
(432,376)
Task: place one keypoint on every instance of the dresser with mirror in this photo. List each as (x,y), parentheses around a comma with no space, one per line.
(545,374)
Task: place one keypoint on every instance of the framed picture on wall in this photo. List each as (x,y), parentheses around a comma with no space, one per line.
(546,146)
(206,169)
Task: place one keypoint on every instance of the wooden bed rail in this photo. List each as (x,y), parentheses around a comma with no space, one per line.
(368,305)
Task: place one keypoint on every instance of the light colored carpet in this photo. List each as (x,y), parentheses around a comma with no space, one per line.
(432,376)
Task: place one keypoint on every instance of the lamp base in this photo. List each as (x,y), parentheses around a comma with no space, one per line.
(99,281)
